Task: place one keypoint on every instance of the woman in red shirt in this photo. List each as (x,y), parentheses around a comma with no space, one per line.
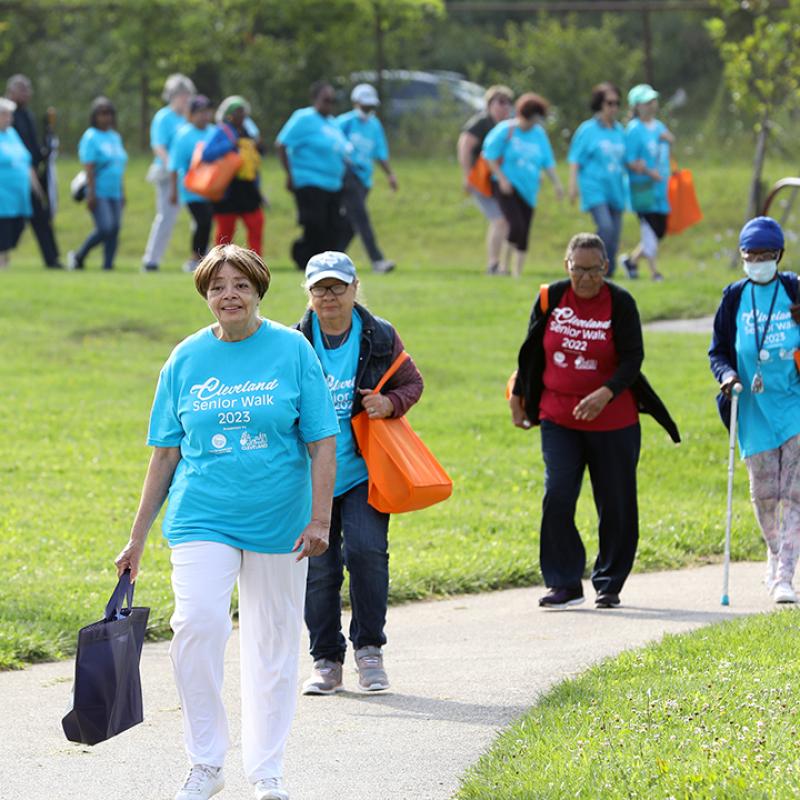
(579,378)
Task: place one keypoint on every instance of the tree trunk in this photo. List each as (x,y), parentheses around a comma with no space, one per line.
(380,58)
(754,200)
(144,109)
(647,43)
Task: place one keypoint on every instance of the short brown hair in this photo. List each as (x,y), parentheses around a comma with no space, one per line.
(530,104)
(246,261)
(599,93)
(498,90)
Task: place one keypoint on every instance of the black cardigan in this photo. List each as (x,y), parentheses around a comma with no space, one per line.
(627,342)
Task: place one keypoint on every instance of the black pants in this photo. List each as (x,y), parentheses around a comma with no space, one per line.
(203,215)
(354,199)
(320,214)
(43,230)
(519,216)
(612,457)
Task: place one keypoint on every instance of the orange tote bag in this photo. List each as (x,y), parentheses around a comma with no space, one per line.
(403,474)
(480,177)
(684,208)
(210,179)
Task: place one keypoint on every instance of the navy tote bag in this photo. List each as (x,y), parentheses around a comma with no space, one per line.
(107,694)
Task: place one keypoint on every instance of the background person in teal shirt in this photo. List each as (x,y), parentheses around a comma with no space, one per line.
(312,150)
(597,168)
(355,349)
(242,430)
(103,156)
(16,179)
(647,154)
(517,151)
(365,133)
(195,131)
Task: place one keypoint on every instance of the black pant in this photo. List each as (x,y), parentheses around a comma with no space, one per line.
(519,216)
(43,230)
(354,199)
(612,457)
(203,215)
(319,212)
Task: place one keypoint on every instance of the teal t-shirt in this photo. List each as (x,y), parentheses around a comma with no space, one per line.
(599,153)
(368,140)
(15,175)
(166,123)
(769,419)
(525,154)
(180,156)
(316,148)
(643,142)
(340,365)
(105,150)
(242,414)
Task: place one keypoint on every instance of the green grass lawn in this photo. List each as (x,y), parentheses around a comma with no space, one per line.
(82,352)
(711,714)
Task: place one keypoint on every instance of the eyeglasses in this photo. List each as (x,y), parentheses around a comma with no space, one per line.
(585,272)
(336,289)
(755,257)
(610,102)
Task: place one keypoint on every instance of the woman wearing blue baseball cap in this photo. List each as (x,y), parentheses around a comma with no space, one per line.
(355,349)
(756,342)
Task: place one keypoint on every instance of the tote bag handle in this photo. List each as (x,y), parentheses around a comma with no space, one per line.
(123,592)
(396,364)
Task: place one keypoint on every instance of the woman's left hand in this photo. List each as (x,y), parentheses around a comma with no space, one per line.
(313,541)
(591,405)
(377,406)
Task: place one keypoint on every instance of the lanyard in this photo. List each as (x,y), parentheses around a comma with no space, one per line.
(760,345)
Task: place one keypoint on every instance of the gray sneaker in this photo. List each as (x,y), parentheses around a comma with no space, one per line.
(371,674)
(326,678)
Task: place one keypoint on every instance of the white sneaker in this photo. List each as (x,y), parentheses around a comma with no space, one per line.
(772,570)
(271,789)
(190,265)
(202,782)
(383,265)
(72,260)
(783,593)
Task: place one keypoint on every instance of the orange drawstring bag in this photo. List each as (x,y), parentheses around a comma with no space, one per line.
(403,474)
(684,208)
(210,179)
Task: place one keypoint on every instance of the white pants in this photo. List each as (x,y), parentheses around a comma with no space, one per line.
(649,239)
(271,597)
(163,223)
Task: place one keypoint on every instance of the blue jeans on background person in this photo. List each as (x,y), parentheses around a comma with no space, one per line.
(359,541)
(609,228)
(107,219)
(612,458)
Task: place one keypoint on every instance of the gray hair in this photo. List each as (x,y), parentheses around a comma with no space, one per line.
(18,80)
(176,84)
(586,241)
(7,105)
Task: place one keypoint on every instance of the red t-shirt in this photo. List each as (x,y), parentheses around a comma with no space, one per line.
(579,358)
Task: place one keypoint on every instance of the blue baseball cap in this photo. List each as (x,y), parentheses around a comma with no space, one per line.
(330,264)
(761,233)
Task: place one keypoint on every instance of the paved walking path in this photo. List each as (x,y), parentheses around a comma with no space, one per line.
(461,670)
(697,325)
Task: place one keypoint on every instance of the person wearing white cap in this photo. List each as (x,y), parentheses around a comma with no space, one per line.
(355,349)
(365,133)
(312,149)
(647,156)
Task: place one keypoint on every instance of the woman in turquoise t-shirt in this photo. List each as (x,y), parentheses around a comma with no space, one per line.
(103,156)
(517,151)
(355,349)
(243,435)
(597,168)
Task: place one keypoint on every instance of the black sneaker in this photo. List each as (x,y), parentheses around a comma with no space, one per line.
(562,597)
(607,600)
(630,268)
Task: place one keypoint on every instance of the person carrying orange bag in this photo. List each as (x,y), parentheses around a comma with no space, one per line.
(355,349)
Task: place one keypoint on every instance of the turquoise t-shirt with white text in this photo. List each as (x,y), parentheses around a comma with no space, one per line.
(166,123)
(368,140)
(340,365)
(643,142)
(769,419)
(15,175)
(242,414)
(599,153)
(104,149)
(180,156)
(525,154)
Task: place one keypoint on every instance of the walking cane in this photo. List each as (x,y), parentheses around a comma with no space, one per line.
(735,392)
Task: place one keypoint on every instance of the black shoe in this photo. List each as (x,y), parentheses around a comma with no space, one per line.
(630,268)
(607,600)
(562,597)
(55,265)
(151,267)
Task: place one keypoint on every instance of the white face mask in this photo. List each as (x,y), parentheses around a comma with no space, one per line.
(365,114)
(760,271)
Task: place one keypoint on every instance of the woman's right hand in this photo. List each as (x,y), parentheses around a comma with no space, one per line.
(518,415)
(572,194)
(129,558)
(727,385)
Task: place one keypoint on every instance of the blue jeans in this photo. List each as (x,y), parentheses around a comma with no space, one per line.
(612,457)
(358,540)
(609,227)
(107,219)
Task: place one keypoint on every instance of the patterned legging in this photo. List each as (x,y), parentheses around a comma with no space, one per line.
(775,492)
